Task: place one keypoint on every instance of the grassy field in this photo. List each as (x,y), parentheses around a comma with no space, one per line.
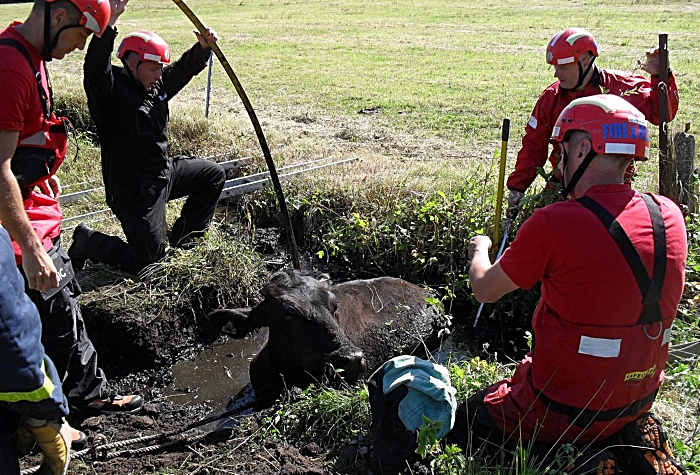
(434,81)
(449,70)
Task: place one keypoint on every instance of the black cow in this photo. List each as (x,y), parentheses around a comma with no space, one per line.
(343,330)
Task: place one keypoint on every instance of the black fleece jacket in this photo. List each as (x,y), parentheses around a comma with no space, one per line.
(133,123)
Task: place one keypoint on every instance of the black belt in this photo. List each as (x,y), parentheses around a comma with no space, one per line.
(584,417)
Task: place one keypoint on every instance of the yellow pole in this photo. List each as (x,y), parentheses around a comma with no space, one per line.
(505,132)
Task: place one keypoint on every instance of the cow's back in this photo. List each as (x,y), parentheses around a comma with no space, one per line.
(386,317)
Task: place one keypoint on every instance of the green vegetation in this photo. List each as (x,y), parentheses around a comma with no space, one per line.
(434,80)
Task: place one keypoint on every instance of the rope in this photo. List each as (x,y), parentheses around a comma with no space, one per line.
(187,440)
(153,448)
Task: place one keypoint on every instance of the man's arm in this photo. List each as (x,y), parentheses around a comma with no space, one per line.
(98,77)
(488,282)
(651,65)
(643,93)
(191,63)
(39,269)
(535,148)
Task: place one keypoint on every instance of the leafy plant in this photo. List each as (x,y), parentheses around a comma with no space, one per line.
(323,415)
(443,458)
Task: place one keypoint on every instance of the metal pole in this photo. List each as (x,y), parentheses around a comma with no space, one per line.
(505,132)
(206,106)
(511,217)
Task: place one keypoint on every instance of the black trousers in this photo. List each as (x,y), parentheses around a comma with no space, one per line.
(66,341)
(143,219)
(9,455)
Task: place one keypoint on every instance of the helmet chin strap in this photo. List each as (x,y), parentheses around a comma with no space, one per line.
(50,43)
(581,75)
(131,75)
(569,187)
(47,32)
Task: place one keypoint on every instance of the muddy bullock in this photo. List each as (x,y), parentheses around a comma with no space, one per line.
(318,329)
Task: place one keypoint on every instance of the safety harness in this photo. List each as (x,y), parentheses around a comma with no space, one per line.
(41,156)
(650,289)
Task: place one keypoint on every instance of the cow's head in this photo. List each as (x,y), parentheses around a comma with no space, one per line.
(305,341)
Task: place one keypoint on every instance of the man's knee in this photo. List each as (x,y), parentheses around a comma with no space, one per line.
(218,176)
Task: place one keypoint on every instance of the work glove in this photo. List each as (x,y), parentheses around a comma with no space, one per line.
(53,438)
(514,199)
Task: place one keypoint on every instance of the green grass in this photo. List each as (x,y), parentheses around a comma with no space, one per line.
(451,69)
(442,75)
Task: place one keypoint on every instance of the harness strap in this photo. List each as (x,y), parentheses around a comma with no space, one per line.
(585,417)
(46,99)
(649,288)
(569,187)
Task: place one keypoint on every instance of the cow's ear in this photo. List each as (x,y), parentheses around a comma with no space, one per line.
(234,322)
(293,306)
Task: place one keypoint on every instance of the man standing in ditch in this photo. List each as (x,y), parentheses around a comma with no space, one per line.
(32,147)
(130,107)
(611,262)
(572,53)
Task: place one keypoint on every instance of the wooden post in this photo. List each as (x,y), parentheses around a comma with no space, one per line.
(666,174)
(684,158)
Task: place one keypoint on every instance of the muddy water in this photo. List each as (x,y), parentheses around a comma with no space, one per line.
(219,373)
(216,374)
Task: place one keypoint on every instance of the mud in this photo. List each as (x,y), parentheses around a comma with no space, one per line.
(187,373)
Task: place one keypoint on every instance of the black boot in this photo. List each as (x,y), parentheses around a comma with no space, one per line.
(79,249)
(646,450)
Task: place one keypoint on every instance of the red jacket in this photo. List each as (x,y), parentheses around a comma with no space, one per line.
(638,90)
(42,135)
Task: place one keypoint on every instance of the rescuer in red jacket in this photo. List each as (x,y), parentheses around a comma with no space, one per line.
(572,53)
(32,147)
(611,265)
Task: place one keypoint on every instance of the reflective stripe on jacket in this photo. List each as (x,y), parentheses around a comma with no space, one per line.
(29,383)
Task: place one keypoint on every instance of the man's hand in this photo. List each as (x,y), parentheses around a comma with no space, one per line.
(480,244)
(651,62)
(51,187)
(488,281)
(53,437)
(210,37)
(514,199)
(39,269)
(118,7)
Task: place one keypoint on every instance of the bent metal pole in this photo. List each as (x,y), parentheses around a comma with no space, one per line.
(512,213)
(258,131)
(505,132)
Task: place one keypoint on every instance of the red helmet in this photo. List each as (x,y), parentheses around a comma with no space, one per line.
(147,44)
(95,14)
(615,125)
(566,46)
